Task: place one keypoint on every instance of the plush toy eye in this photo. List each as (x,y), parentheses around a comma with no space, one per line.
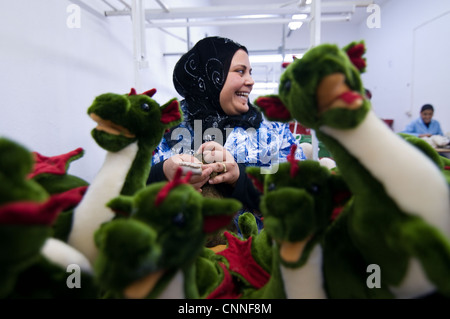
(179,220)
(314,189)
(145,107)
(287,86)
(271,187)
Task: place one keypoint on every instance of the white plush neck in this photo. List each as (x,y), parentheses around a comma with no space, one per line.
(410,178)
(91,212)
(305,282)
(64,255)
(175,289)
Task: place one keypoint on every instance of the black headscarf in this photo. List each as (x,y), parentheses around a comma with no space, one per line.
(199,77)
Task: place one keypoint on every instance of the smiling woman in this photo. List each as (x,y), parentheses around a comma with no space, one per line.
(221,131)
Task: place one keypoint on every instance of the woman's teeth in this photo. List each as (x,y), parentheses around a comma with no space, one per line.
(243,94)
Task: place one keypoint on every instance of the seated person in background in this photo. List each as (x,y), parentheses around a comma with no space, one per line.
(424,126)
(214,78)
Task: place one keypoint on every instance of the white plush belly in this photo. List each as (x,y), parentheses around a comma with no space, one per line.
(174,289)
(409,177)
(92,210)
(415,284)
(305,282)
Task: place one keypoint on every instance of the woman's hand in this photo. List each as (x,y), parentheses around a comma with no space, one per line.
(219,160)
(171,165)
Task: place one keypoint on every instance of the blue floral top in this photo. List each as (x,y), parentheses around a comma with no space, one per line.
(268,145)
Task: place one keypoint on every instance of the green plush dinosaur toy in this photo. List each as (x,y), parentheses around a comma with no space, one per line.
(129,128)
(398,220)
(158,250)
(33,263)
(51,172)
(298,203)
(441,161)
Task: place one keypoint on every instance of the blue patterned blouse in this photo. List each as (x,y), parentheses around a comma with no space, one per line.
(267,146)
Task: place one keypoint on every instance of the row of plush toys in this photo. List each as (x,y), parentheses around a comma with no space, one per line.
(375,226)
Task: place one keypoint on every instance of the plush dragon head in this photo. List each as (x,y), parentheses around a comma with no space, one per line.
(125,118)
(396,209)
(323,87)
(165,231)
(299,201)
(27,215)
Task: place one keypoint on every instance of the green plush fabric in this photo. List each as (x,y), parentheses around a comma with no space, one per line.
(441,161)
(20,244)
(372,229)
(45,280)
(296,207)
(138,118)
(16,162)
(168,236)
(25,226)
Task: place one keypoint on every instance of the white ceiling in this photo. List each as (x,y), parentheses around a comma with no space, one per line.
(225,12)
(246,20)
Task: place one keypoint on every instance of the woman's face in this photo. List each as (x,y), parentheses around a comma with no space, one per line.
(238,85)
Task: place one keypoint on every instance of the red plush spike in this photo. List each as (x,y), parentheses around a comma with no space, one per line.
(291,159)
(355,54)
(171,113)
(132,92)
(227,288)
(284,65)
(213,223)
(258,184)
(273,108)
(150,93)
(52,165)
(339,199)
(177,180)
(40,213)
(239,255)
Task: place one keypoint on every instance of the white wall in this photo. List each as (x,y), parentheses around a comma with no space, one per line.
(51,73)
(393,60)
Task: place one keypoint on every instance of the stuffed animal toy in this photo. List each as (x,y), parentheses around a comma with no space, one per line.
(398,220)
(129,128)
(52,174)
(441,161)
(156,250)
(299,202)
(34,264)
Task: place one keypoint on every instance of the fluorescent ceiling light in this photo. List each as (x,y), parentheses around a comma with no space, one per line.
(295,25)
(301,16)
